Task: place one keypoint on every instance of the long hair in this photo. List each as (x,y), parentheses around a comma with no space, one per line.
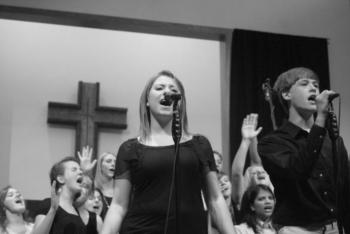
(3,218)
(98,174)
(248,199)
(144,111)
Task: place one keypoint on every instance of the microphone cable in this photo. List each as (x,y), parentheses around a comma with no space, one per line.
(176,133)
(334,129)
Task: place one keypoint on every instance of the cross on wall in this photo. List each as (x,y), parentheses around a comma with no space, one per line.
(87,116)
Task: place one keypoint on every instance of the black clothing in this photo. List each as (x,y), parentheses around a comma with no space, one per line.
(106,202)
(40,207)
(91,226)
(66,223)
(150,175)
(301,168)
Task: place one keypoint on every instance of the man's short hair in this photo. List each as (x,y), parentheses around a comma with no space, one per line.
(287,79)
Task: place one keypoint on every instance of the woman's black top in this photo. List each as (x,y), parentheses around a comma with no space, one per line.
(151,175)
(66,223)
(91,226)
(106,202)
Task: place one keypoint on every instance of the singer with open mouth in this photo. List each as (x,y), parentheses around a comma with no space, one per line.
(307,163)
(166,177)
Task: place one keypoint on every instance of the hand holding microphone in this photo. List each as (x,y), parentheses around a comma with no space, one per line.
(332,122)
(324,99)
(323,102)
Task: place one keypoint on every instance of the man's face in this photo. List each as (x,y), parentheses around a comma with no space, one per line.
(302,95)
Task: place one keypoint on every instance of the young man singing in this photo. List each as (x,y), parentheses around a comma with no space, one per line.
(311,196)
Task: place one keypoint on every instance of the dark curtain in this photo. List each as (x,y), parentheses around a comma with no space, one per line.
(257,56)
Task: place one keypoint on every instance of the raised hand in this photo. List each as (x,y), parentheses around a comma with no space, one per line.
(55,195)
(85,159)
(249,126)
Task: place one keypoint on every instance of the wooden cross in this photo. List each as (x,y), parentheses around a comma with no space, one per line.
(87,116)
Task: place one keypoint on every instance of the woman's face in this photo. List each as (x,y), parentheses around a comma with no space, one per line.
(156,98)
(264,204)
(14,201)
(94,203)
(218,162)
(225,186)
(259,176)
(72,177)
(108,166)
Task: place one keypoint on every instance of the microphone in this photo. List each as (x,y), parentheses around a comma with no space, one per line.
(172,97)
(332,96)
(267,89)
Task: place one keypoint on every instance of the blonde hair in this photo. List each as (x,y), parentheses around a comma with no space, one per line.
(145,116)
(247,178)
(98,174)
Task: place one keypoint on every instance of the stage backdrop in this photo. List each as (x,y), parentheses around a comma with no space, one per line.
(44,62)
(257,56)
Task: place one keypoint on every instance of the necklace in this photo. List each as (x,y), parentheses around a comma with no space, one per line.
(105,201)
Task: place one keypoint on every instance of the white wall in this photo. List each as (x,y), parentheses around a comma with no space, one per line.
(315,18)
(42,62)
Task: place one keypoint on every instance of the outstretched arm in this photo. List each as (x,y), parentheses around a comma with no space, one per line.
(249,134)
(255,159)
(217,205)
(118,207)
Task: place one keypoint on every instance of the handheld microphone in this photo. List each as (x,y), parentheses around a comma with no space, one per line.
(332,96)
(172,97)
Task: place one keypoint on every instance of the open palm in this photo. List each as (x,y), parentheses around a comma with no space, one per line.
(249,126)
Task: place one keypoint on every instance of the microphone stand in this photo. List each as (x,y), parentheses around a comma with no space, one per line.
(177,133)
(338,172)
(176,130)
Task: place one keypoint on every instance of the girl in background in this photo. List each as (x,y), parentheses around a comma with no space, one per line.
(104,179)
(255,173)
(258,204)
(94,202)
(92,221)
(13,219)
